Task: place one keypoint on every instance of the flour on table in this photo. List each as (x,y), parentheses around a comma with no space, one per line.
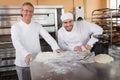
(62,63)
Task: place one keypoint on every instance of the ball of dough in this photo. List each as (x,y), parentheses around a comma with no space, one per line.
(103,58)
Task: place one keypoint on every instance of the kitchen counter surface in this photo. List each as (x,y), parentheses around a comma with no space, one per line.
(76,71)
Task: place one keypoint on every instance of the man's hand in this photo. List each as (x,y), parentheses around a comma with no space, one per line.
(78,48)
(28,58)
(59,51)
(88,47)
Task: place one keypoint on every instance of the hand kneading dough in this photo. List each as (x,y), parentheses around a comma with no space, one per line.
(103,58)
(42,56)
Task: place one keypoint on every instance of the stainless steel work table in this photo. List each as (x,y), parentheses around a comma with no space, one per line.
(79,71)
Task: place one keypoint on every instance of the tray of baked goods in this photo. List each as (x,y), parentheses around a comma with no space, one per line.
(105,13)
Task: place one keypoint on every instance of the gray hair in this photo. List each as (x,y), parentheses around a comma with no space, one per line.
(27,3)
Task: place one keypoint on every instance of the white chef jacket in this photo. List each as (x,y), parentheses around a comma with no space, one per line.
(25,38)
(80,35)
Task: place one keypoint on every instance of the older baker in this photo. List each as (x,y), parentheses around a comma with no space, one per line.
(76,36)
(25,36)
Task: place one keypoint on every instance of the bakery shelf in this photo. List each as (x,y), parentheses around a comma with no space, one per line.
(109,20)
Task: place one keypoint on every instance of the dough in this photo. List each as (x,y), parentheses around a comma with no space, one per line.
(85,50)
(103,58)
(42,56)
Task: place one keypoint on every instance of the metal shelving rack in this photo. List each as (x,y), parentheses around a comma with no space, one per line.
(109,20)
